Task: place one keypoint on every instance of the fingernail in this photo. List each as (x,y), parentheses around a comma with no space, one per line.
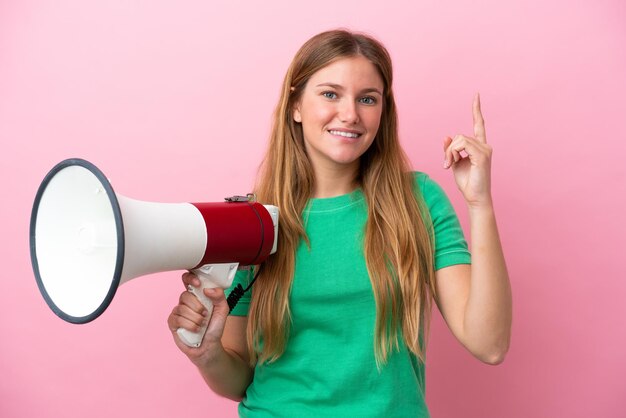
(446,164)
(205,312)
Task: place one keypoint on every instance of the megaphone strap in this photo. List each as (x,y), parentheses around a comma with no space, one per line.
(256,212)
(250,197)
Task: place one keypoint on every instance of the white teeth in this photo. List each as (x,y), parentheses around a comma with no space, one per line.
(345,134)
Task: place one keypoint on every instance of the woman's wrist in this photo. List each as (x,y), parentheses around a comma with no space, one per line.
(482,206)
(208,356)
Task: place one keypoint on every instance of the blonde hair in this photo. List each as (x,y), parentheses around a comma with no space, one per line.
(398,247)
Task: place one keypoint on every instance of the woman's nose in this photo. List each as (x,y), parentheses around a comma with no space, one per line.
(348,112)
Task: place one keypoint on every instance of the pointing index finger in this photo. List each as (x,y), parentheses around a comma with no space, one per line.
(479,122)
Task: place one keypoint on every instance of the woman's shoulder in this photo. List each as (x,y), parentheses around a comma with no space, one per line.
(423,183)
(432,194)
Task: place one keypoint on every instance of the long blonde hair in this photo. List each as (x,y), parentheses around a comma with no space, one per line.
(398,247)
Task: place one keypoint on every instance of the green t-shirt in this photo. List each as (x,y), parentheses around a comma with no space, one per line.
(328,368)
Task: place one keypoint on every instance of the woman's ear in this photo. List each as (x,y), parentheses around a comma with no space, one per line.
(297,116)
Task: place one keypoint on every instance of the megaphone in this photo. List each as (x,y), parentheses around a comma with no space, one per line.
(86,240)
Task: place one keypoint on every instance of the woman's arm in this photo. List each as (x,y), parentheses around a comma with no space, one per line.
(227,371)
(476,300)
(222,358)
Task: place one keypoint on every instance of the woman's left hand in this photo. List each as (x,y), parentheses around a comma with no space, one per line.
(473,171)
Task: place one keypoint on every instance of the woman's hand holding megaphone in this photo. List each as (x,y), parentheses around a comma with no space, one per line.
(225,369)
(191,315)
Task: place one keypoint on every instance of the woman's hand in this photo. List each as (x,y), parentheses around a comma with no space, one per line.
(191,314)
(473,171)
(222,362)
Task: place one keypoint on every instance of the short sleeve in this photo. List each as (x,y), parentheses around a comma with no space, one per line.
(243,277)
(450,244)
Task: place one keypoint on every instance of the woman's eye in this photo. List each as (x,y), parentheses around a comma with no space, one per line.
(329,94)
(369,100)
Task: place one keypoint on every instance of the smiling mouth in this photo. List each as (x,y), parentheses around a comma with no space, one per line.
(345,134)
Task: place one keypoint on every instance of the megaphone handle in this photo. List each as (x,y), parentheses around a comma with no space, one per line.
(193,339)
(211,276)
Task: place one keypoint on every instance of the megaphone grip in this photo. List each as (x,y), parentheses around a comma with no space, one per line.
(211,276)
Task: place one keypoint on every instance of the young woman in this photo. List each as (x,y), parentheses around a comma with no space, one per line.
(336,323)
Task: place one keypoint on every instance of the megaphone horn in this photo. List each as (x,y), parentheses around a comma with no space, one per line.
(85,241)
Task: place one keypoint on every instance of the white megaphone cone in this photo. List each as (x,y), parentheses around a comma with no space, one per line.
(85,241)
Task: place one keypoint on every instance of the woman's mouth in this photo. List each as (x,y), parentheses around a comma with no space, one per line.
(344,133)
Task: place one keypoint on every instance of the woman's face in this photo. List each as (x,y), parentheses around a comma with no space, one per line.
(340,112)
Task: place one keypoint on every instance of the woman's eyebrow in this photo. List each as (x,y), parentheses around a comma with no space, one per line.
(340,87)
(371,90)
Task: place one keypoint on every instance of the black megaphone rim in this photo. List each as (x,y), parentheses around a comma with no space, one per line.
(119,263)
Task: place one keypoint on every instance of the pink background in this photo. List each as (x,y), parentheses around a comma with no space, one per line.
(173,100)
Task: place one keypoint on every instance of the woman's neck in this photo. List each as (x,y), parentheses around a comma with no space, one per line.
(334,181)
